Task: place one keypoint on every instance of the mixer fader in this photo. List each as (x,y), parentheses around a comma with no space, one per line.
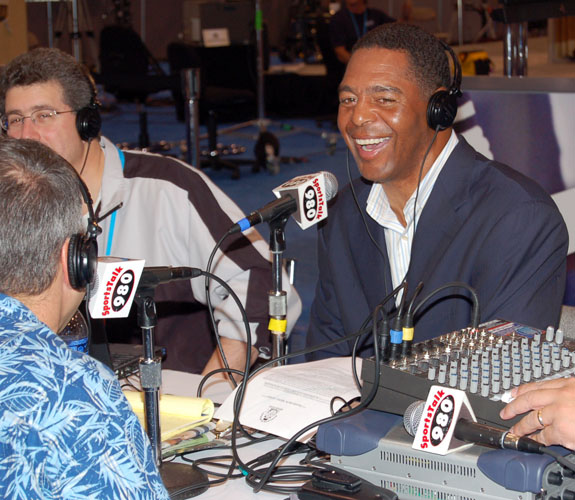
(485,362)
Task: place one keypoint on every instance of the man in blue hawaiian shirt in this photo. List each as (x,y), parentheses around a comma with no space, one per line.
(66,430)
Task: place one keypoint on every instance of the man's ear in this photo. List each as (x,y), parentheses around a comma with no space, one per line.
(63,261)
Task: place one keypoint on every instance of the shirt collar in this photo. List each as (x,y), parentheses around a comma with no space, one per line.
(112,192)
(11,307)
(378,207)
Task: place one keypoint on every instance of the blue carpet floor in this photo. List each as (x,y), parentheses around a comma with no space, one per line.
(314,147)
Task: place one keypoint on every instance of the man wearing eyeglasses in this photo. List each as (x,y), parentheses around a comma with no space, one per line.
(149,207)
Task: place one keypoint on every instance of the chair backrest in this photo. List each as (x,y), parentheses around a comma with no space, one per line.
(123,56)
(122,52)
(231,67)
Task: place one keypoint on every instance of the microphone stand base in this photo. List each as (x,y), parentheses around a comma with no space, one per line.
(183,480)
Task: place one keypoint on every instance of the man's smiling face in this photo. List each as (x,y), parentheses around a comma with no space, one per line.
(382,116)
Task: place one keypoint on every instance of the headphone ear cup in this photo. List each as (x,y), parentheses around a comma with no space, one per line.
(82,260)
(441,109)
(72,261)
(88,123)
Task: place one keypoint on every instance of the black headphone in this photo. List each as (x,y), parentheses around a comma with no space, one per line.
(88,119)
(83,247)
(442,105)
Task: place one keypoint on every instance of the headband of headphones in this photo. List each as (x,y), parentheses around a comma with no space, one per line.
(83,247)
(455,87)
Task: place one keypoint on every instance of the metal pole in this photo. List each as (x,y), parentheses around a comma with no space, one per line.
(178,478)
(260,63)
(508,59)
(460,21)
(76,32)
(191,84)
(522,49)
(278,297)
(50,24)
(150,371)
(143,20)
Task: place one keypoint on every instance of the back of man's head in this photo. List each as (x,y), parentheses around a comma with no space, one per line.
(44,65)
(40,207)
(429,62)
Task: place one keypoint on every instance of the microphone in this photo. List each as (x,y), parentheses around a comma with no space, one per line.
(118,280)
(305,197)
(153,276)
(472,432)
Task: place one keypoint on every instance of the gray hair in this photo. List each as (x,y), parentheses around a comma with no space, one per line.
(41,206)
(429,64)
(45,65)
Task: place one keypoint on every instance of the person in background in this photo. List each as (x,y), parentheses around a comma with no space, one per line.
(149,207)
(353,20)
(66,430)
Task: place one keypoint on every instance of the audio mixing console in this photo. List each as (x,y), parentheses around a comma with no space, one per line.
(486,363)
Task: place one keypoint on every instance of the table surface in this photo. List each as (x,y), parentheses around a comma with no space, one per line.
(185,384)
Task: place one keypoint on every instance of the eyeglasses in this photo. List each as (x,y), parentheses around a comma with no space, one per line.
(44,118)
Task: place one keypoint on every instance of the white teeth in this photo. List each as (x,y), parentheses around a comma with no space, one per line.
(367,142)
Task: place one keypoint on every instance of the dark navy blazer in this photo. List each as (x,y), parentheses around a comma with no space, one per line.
(484,224)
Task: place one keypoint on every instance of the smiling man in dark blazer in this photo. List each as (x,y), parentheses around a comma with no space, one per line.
(429,208)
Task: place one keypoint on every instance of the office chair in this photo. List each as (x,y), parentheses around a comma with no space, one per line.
(129,71)
(227,93)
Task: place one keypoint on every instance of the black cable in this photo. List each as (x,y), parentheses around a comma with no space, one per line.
(284,474)
(235,298)
(418,288)
(212,373)
(287,474)
(216,462)
(85,159)
(270,470)
(402,301)
(211,312)
(371,237)
(354,363)
(130,385)
(87,313)
(558,457)
(455,284)
(356,201)
(259,479)
(346,404)
(241,392)
(388,297)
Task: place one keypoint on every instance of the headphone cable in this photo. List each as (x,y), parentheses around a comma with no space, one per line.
(85,158)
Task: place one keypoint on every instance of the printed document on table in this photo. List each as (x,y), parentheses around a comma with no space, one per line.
(285,399)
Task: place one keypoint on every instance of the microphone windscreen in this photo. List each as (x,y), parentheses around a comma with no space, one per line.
(412,417)
(330,184)
(93,288)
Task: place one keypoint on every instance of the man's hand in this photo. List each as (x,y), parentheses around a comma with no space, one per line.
(551,407)
(235,352)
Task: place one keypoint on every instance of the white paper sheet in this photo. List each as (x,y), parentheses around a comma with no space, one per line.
(285,399)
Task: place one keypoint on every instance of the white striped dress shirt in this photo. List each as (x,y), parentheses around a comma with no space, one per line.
(398,239)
